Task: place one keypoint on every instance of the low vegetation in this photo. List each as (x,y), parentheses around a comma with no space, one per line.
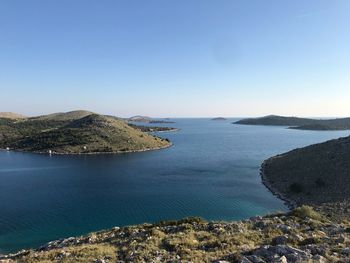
(299,123)
(146,119)
(307,212)
(316,175)
(303,235)
(75,132)
(64,116)
(153,128)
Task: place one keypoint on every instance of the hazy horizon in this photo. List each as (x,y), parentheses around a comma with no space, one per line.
(181,117)
(176,59)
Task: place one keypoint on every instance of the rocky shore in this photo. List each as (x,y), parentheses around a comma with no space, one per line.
(302,235)
(291,204)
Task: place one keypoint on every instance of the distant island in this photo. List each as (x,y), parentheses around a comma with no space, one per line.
(299,123)
(218,119)
(153,128)
(146,119)
(74,132)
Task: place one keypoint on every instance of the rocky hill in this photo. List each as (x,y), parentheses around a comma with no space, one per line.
(299,123)
(75,132)
(317,175)
(302,235)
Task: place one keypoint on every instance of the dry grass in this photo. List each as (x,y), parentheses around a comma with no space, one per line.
(83,253)
(196,240)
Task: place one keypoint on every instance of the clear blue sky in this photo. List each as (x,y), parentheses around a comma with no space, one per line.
(176,57)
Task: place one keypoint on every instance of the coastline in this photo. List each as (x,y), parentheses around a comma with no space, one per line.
(91,153)
(170,130)
(291,204)
(278,236)
(302,235)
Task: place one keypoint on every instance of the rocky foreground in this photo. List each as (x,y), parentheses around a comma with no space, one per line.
(302,235)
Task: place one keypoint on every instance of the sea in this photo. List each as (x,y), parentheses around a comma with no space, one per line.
(211,171)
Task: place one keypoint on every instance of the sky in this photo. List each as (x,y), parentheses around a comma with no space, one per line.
(176,58)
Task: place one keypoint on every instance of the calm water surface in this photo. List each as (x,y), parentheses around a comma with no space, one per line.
(212,171)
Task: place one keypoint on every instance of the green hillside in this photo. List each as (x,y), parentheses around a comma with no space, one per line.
(64,116)
(299,123)
(75,132)
(275,120)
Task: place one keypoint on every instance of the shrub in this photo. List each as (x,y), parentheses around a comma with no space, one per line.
(180,241)
(296,188)
(319,182)
(187,220)
(309,241)
(306,211)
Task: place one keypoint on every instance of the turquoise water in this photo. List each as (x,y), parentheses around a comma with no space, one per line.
(212,171)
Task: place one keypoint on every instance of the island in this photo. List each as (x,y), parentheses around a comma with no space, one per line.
(218,119)
(299,123)
(146,119)
(75,132)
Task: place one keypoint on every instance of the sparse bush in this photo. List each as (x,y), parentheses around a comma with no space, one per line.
(187,220)
(309,241)
(320,183)
(180,241)
(306,211)
(296,188)
(236,257)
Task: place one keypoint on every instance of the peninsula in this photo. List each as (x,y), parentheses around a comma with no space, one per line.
(75,132)
(145,128)
(299,123)
(317,175)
